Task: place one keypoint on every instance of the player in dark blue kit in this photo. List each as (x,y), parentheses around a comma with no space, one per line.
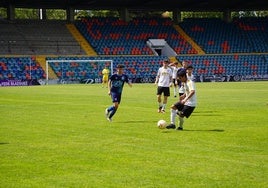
(115,87)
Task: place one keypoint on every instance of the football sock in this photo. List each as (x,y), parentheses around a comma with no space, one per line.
(110,108)
(112,112)
(181,121)
(164,106)
(173,116)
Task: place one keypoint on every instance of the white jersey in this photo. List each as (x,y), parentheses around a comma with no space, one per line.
(191,77)
(189,86)
(174,71)
(181,89)
(164,76)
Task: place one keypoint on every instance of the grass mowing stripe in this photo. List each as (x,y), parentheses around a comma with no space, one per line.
(57,136)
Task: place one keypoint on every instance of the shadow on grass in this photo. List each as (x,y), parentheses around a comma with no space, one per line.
(135,121)
(207,113)
(188,130)
(3,143)
(211,130)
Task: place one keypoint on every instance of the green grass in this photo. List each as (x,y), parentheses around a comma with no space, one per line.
(57,136)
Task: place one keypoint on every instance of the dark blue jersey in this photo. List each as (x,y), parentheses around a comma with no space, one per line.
(117,82)
(179,70)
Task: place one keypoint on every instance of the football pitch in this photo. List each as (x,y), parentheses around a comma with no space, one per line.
(58,136)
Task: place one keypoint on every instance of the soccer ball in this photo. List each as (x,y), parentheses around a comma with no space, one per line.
(161,124)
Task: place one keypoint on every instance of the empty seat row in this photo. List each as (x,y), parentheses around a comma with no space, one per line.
(103,33)
(69,68)
(22,68)
(228,64)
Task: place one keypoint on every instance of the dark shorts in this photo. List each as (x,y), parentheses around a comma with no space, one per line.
(164,90)
(186,111)
(174,81)
(116,97)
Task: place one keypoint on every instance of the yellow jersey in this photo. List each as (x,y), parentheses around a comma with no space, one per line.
(105,73)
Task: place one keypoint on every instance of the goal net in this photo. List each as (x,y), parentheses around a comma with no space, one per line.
(76,71)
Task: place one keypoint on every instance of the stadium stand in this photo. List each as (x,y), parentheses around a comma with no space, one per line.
(32,37)
(238,48)
(22,68)
(254,30)
(216,36)
(228,65)
(112,36)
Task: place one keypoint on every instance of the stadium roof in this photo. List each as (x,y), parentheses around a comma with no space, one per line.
(183,5)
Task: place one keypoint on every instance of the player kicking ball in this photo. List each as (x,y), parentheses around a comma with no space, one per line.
(187,103)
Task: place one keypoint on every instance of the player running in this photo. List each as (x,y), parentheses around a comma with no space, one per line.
(115,88)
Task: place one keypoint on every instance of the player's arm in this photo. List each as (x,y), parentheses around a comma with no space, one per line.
(109,87)
(192,92)
(129,82)
(171,64)
(182,97)
(170,80)
(157,77)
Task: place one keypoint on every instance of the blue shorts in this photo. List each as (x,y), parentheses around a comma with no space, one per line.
(116,97)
